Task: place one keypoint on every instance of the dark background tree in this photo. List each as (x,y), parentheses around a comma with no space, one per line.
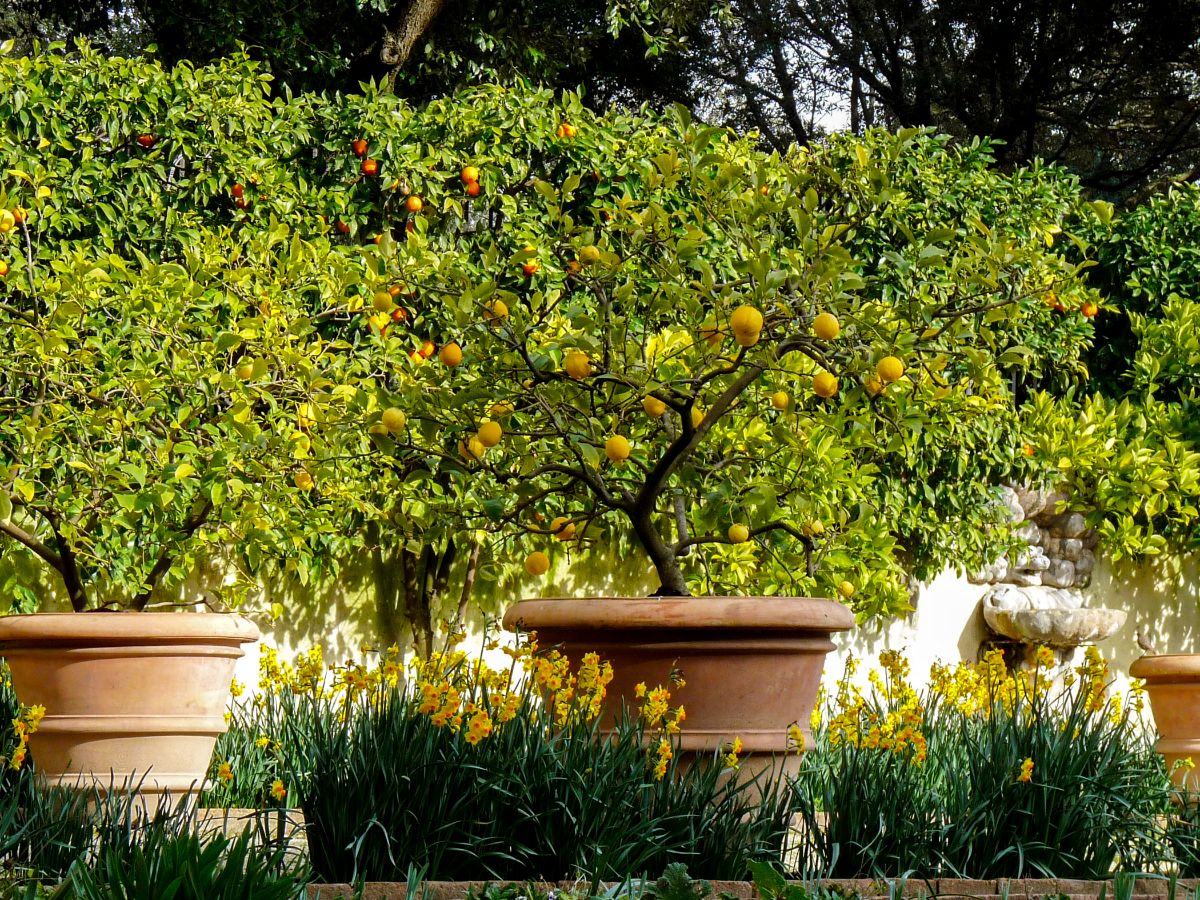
(1109,88)
(421,48)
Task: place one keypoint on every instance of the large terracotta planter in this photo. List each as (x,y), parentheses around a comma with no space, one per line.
(1173,685)
(752,665)
(127,695)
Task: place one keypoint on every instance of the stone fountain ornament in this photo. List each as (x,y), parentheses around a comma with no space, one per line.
(1035,597)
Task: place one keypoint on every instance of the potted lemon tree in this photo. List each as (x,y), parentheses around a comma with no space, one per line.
(749,377)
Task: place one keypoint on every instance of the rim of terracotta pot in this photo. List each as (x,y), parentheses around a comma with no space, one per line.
(780,613)
(1166,665)
(51,628)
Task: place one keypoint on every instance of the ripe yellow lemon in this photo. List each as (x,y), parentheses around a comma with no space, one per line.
(382,301)
(889,369)
(472,450)
(497,311)
(589,255)
(617,448)
(562,528)
(826,326)
(697,416)
(501,409)
(3,268)
(712,334)
(303,481)
(780,400)
(846,589)
(873,385)
(825,385)
(7,221)
(537,563)
(746,323)
(393,419)
(654,407)
(490,433)
(577,365)
(738,533)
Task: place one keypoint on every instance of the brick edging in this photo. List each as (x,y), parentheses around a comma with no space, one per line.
(989,889)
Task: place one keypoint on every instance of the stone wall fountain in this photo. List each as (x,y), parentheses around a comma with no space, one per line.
(1035,596)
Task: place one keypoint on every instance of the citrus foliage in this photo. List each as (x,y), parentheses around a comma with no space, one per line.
(1129,454)
(213,298)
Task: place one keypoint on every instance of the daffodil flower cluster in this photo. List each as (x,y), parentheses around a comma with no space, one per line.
(897,719)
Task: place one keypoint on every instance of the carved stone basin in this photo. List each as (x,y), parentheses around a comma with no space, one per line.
(1056,627)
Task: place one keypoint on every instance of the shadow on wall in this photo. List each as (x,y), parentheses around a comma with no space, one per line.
(1162,596)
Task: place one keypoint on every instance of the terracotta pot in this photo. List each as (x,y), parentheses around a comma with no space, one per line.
(1173,684)
(752,665)
(127,695)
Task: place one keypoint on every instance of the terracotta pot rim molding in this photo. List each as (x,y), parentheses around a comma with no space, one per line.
(1165,665)
(53,628)
(803,614)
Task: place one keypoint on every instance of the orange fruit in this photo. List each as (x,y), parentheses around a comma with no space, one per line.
(359,147)
(1089,309)
(3,268)
(537,563)
(738,533)
(369,167)
(146,141)
(889,369)
(414,204)
(589,255)
(530,267)
(303,481)
(873,385)
(469,174)
(382,301)
(826,326)
(780,400)
(562,528)
(846,589)
(451,354)
(473,189)
(825,385)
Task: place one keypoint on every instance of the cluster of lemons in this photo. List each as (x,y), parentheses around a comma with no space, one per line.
(746,324)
